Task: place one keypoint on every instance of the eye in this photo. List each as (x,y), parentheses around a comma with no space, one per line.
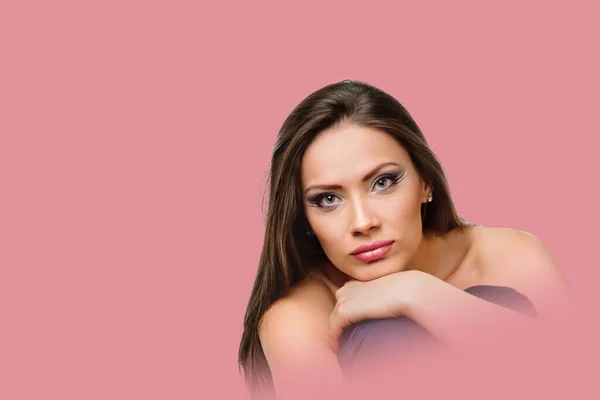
(381,184)
(384,182)
(325,200)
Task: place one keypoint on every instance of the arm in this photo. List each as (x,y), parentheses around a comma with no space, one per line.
(456,317)
(452,315)
(527,266)
(293,334)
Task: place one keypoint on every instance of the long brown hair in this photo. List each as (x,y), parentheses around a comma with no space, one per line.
(287,251)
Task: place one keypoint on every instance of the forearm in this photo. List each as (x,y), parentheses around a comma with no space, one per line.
(458,318)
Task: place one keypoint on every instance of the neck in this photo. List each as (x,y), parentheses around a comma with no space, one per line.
(440,256)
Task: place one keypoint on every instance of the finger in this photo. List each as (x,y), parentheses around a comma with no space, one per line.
(337,323)
(334,338)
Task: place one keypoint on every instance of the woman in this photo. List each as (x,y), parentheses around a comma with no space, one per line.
(361,226)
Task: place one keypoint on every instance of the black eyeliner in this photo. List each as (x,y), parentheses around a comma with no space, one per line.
(395,177)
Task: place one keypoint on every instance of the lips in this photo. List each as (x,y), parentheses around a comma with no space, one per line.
(373,251)
(371,246)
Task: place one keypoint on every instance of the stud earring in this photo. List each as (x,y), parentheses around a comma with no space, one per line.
(429,199)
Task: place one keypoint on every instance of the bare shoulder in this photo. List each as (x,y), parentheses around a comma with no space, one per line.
(516,258)
(497,245)
(294,332)
(307,303)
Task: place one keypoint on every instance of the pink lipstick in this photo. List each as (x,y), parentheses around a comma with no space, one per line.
(373,251)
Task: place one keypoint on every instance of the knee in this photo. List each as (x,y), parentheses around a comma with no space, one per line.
(378,337)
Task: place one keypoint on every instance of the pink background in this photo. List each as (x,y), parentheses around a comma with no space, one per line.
(135,138)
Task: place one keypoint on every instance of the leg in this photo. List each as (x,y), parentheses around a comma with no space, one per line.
(389,338)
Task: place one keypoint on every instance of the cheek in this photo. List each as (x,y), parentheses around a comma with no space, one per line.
(404,213)
(328,229)
(329,234)
(403,222)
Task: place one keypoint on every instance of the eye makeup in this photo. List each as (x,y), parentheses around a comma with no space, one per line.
(394,178)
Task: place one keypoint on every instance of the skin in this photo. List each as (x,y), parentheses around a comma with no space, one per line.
(422,276)
(380,208)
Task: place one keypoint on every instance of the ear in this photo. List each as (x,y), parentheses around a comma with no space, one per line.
(425,191)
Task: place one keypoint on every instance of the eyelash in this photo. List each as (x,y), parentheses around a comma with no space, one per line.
(393,177)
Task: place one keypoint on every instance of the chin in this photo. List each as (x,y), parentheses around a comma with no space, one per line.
(377,269)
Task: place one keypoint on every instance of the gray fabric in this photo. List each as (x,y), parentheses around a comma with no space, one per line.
(361,341)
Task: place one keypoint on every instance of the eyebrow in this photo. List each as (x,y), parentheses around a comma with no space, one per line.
(364,179)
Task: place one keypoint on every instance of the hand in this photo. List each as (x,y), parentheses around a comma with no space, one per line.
(384,297)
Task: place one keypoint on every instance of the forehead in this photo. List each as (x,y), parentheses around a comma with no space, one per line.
(346,151)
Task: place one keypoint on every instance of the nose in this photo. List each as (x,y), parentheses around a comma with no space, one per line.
(363,219)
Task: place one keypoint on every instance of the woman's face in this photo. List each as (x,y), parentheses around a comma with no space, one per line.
(359,187)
